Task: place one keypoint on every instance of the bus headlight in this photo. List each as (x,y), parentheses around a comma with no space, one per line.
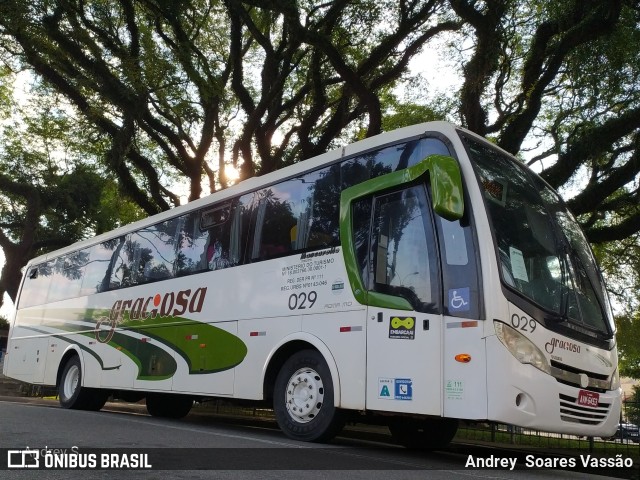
(521,347)
(615,380)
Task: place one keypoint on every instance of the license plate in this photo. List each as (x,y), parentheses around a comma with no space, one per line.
(588,399)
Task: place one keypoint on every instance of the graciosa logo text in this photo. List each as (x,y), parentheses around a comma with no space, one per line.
(171,304)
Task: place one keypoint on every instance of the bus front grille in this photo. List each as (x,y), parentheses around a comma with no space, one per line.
(570,411)
(571,376)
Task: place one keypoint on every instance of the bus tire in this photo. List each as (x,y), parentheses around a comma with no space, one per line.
(167,405)
(427,434)
(95,399)
(72,394)
(303,399)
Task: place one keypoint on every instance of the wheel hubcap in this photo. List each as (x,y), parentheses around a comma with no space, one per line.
(71,381)
(305,395)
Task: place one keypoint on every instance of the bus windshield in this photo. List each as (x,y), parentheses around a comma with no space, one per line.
(543,254)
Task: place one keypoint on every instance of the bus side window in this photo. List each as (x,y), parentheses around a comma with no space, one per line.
(153,252)
(459,269)
(298,214)
(192,243)
(389,159)
(318,214)
(121,271)
(217,221)
(361,214)
(274,223)
(67,277)
(96,271)
(36,286)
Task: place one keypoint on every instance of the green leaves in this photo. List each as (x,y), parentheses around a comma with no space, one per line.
(628,336)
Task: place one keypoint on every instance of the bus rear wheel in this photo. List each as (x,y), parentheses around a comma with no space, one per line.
(73,395)
(168,405)
(431,434)
(303,399)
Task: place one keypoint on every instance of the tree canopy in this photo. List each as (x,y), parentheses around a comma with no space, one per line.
(170,93)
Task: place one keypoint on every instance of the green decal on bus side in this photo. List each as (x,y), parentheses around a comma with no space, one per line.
(154,363)
(447,199)
(204,347)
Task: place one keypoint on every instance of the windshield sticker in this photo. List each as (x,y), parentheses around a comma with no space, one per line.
(518,268)
(403,328)
(459,300)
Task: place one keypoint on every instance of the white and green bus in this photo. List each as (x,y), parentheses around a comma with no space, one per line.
(415,278)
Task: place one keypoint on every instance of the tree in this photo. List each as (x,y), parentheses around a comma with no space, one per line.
(50,193)
(628,336)
(632,406)
(166,79)
(175,91)
(562,72)
(620,261)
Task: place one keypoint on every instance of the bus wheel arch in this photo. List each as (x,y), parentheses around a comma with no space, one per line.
(68,355)
(288,347)
(304,398)
(71,393)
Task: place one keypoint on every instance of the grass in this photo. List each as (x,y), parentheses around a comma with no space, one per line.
(567,444)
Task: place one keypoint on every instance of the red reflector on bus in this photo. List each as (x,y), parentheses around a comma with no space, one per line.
(350,329)
(144,339)
(203,345)
(470,323)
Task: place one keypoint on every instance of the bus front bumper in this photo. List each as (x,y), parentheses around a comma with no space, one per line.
(522,395)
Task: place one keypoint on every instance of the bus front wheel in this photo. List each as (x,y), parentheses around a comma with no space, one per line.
(73,395)
(303,399)
(431,434)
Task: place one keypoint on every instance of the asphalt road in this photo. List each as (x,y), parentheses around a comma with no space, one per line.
(203,447)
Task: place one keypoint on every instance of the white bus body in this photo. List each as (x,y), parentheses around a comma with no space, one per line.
(334,287)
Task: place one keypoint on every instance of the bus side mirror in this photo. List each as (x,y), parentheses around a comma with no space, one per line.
(446,186)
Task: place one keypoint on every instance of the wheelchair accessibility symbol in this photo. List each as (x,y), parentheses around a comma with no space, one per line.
(459,300)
